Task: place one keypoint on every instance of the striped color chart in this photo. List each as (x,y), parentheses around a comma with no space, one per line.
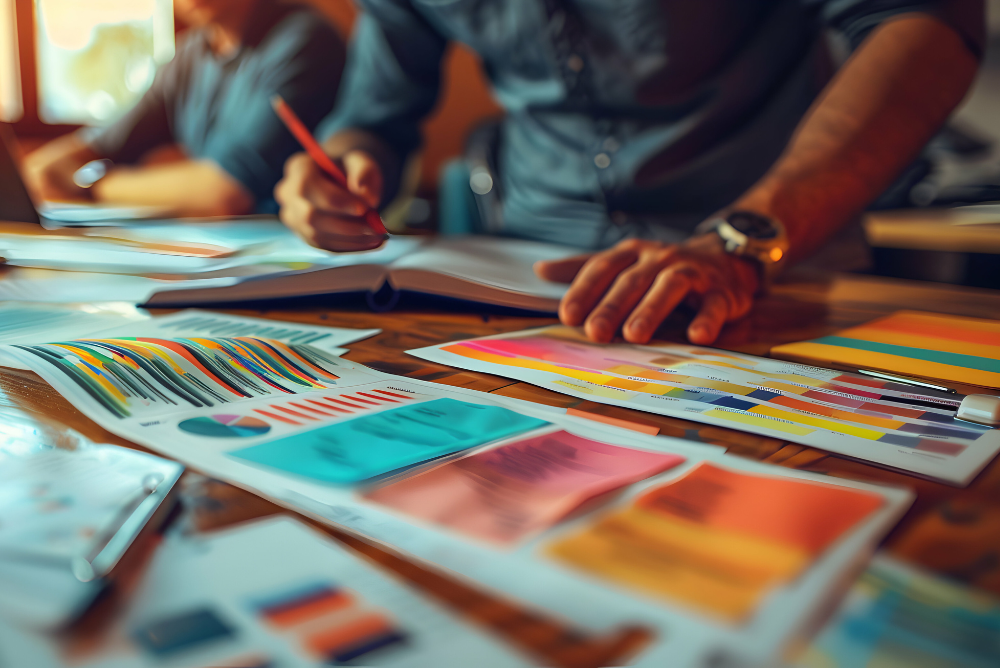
(126,374)
(911,343)
(746,391)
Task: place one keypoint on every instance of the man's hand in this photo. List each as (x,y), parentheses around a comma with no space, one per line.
(639,283)
(324,214)
(49,170)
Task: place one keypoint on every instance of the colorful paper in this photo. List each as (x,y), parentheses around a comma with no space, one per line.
(507,493)
(717,540)
(922,345)
(372,445)
(889,423)
(897,616)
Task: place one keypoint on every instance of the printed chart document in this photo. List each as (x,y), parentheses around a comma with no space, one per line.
(269,593)
(521,498)
(895,425)
(33,323)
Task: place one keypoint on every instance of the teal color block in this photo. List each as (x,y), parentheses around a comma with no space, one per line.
(372,445)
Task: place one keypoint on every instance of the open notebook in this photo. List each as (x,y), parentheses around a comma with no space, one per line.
(489,270)
(271,264)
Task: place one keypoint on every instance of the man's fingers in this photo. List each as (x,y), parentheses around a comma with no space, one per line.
(711,317)
(591,282)
(669,289)
(364,177)
(625,293)
(561,271)
(329,197)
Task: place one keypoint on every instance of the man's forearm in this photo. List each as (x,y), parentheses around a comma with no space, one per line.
(188,187)
(872,120)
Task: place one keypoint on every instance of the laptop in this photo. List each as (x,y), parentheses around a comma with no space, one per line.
(16,204)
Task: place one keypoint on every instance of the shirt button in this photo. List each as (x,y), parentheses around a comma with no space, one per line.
(619,218)
(611,145)
(575,63)
(602,160)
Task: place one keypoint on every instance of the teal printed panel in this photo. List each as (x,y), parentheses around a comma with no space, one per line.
(372,445)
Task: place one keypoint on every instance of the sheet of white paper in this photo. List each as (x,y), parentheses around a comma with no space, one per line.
(229,577)
(902,427)
(522,572)
(501,263)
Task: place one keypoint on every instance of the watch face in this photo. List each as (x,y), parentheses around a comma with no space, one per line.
(752,225)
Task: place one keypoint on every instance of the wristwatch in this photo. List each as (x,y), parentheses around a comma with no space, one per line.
(752,236)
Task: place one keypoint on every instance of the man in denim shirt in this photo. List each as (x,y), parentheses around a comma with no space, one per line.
(630,121)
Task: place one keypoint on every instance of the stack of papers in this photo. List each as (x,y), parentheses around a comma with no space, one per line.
(522,498)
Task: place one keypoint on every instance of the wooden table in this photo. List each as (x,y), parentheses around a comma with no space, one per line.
(955,532)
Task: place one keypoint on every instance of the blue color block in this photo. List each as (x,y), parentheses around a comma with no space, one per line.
(733,402)
(372,445)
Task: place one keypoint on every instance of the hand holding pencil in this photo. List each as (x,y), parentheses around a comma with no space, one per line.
(329,205)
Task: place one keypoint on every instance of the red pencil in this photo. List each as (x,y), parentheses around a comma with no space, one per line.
(312,147)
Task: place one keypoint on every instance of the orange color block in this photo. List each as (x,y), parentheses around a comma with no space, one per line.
(806,514)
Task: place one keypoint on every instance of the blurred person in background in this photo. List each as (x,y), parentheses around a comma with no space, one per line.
(693,147)
(212,101)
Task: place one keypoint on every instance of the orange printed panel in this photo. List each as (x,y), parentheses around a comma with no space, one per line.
(806,514)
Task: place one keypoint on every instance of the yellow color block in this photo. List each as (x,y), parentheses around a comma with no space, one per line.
(745,418)
(829,425)
(720,573)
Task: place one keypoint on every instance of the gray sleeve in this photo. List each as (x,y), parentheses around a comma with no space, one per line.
(307,58)
(143,127)
(857,18)
(392,78)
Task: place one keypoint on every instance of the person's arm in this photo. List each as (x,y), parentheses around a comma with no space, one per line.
(186,187)
(390,85)
(885,103)
(48,170)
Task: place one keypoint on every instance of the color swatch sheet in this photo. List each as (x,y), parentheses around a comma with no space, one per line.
(289,407)
(271,593)
(895,425)
(911,343)
(899,616)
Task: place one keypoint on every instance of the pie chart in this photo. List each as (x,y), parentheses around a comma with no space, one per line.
(225,426)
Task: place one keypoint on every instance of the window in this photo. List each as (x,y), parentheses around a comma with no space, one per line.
(95,58)
(11,105)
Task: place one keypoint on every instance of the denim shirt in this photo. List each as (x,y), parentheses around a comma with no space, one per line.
(623,117)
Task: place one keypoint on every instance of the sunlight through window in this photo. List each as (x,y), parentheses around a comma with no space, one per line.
(97,57)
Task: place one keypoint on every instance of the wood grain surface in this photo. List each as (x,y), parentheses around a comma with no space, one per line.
(955,532)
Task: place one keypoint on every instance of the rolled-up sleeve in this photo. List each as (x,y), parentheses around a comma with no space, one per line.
(392,77)
(857,18)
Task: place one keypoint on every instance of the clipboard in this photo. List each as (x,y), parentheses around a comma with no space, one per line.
(71,511)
